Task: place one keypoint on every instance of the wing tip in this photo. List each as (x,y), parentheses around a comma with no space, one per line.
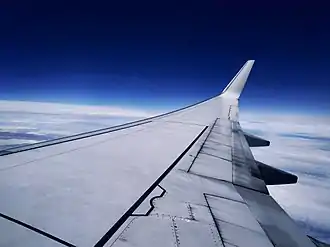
(236,85)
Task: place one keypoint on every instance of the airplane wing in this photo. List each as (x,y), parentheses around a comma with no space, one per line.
(184,178)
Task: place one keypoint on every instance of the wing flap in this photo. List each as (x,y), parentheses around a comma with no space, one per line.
(279,227)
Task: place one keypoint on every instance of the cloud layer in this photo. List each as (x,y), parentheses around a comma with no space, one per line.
(299,144)
(29,122)
(57,108)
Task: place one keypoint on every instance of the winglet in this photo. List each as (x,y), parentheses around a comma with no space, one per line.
(236,85)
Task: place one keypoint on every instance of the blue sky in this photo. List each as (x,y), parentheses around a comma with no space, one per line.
(162,56)
(143,54)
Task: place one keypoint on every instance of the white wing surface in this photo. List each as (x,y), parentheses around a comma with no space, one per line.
(185,178)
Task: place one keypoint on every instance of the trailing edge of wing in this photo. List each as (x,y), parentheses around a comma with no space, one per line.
(236,85)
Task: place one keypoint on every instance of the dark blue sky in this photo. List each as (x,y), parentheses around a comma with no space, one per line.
(165,54)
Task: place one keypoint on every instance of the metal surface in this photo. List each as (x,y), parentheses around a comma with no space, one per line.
(255,141)
(274,176)
(185,178)
(91,184)
(22,236)
(279,227)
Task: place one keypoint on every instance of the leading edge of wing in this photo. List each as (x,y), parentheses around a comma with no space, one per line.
(232,90)
(236,85)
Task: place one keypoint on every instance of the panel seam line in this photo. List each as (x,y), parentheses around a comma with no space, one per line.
(138,202)
(32,228)
(201,147)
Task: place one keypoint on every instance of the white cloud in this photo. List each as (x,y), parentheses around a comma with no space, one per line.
(16,142)
(57,108)
(301,145)
(298,144)
(56,120)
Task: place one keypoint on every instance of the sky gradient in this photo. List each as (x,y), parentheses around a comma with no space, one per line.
(163,56)
(140,58)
